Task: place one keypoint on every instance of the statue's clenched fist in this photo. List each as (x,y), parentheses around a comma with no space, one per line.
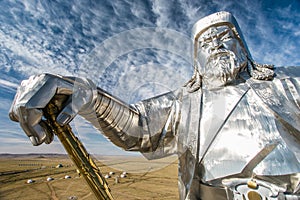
(35,93)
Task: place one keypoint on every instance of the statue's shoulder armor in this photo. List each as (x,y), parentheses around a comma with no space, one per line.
(282,95)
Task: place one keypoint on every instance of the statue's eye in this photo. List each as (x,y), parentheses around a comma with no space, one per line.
(226,37)
(203,44)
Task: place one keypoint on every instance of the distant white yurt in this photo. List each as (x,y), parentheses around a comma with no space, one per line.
(67,176)
(123,175)
(59,166)
(107,176)
(111,173)
(30,181)
(50,179)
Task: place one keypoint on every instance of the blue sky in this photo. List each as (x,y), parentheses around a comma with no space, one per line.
(133,49)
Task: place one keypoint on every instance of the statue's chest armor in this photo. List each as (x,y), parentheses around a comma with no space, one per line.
(238,135)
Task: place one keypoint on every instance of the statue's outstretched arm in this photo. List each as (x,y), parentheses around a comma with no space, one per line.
(115,119)
(138,127)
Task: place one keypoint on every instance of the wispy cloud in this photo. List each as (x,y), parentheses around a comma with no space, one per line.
(8,84)
(111,44)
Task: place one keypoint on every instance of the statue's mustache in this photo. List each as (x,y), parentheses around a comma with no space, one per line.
(221,54)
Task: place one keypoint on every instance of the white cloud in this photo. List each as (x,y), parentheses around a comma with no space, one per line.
(135,40)
(122,59)
(297,33)
(4,106)
(161,10)
(8,84)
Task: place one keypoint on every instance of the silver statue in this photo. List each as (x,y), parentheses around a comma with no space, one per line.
(234,126)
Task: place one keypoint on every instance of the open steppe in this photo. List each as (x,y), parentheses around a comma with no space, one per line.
(145,180)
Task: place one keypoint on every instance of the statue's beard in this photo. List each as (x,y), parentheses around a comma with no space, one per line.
(221,69)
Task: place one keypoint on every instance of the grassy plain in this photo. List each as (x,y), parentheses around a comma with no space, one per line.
(145,180)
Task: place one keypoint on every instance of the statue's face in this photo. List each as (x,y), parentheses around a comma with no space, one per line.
(220,56)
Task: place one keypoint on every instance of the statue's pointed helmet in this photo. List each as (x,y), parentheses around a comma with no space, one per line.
(218,19)
(223,18)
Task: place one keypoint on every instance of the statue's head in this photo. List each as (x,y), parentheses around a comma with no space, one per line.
(220,51)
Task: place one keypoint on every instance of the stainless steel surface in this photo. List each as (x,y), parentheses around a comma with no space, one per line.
(233,125)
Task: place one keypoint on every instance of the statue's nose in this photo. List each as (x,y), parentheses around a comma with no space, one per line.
(216,44)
